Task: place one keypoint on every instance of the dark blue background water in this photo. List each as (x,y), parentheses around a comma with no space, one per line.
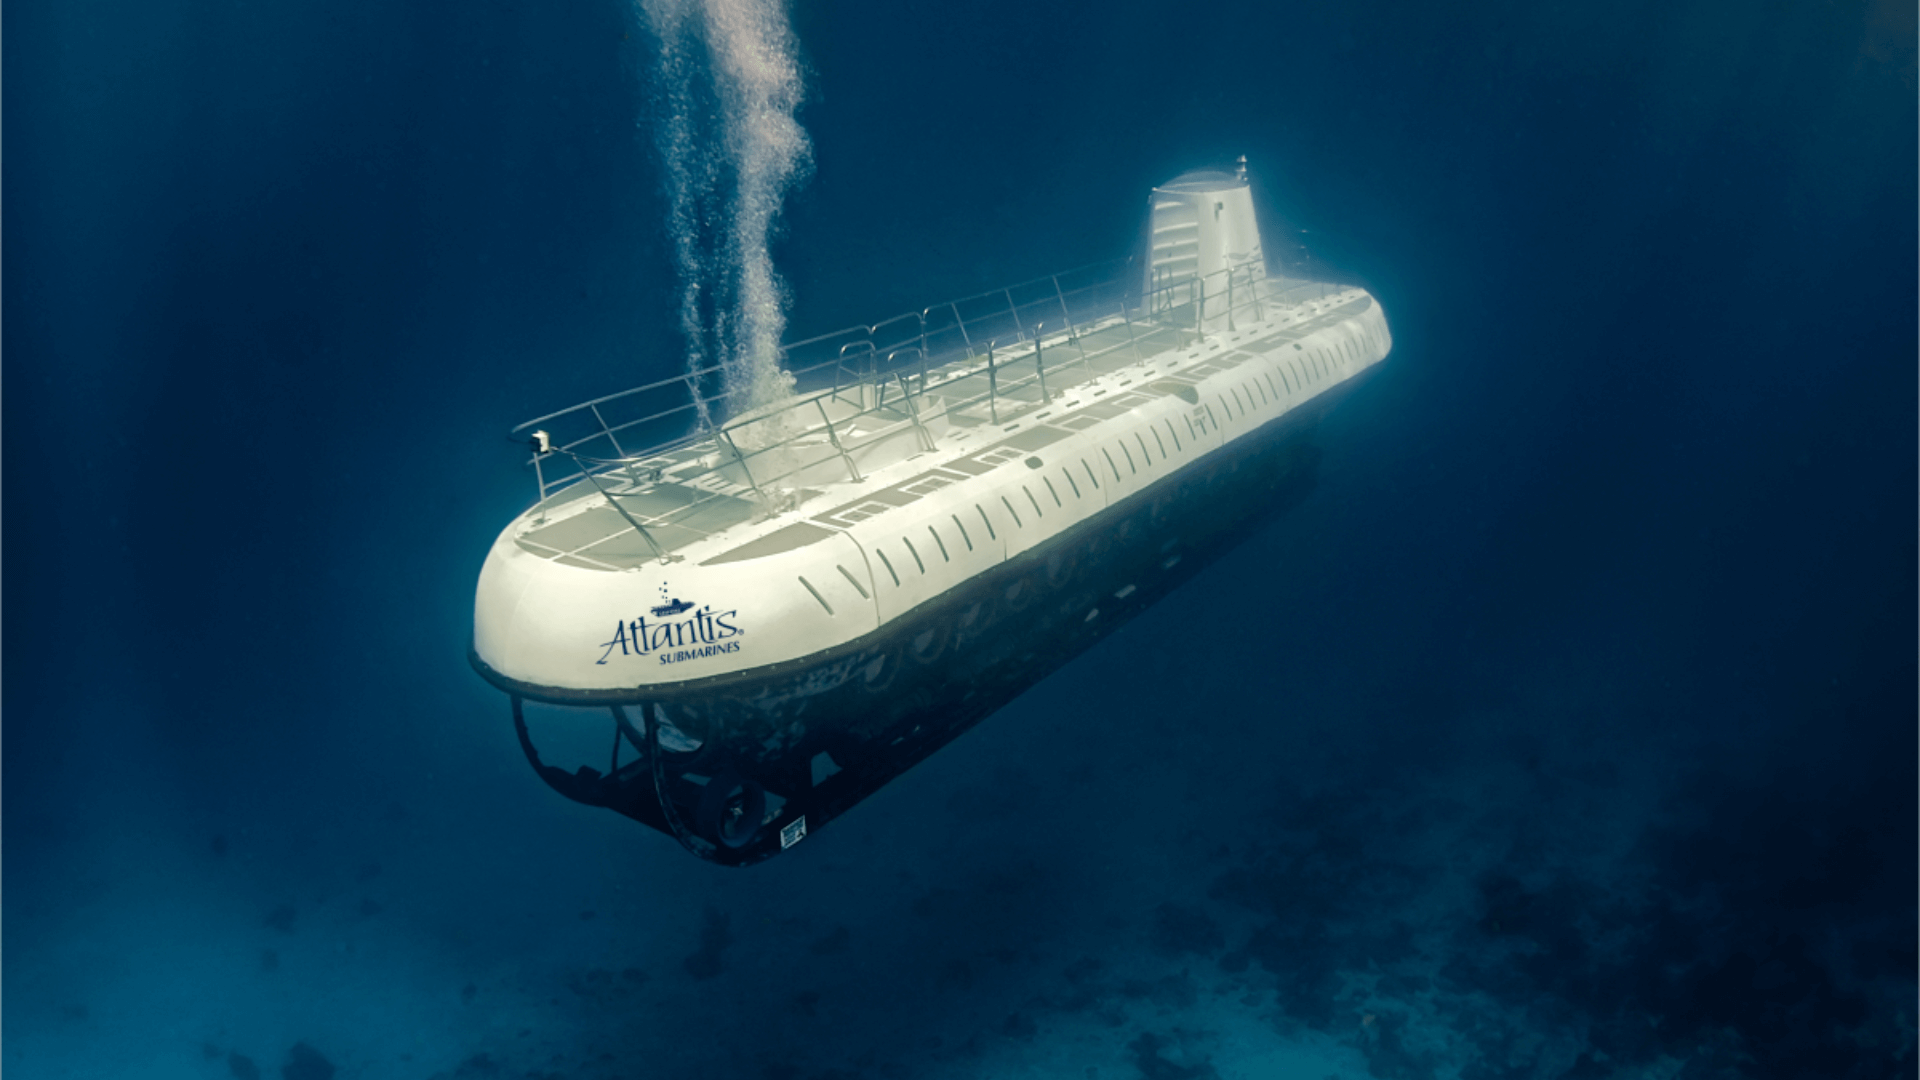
(1567,730)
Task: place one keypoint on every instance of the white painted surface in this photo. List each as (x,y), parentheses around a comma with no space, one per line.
(542,622)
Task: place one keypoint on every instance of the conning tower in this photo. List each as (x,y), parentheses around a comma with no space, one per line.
(1203,242)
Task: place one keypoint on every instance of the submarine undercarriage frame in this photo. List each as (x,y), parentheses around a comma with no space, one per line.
(731,765)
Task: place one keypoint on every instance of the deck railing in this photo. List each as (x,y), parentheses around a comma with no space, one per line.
(1000,343)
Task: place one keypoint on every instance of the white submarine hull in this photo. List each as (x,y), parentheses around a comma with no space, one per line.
(889,584)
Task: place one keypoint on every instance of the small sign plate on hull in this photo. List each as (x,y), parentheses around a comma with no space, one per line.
(794,833)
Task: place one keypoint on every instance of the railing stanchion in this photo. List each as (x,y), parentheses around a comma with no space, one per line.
(1073,333)
(913,413)
(993,388)
(840,366)
(1040,368)
(923,349)
(1131,340)
(834,437)
(964,336)
(742,459)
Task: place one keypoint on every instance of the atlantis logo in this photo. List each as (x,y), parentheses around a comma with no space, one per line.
(705,632)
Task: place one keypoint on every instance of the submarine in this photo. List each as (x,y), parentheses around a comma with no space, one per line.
(771,613)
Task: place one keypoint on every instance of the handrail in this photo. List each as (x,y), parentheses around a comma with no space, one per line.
(943,344)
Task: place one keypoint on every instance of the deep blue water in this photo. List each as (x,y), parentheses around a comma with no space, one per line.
(1567,730)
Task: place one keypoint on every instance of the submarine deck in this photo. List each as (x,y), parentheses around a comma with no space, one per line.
(623,512)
